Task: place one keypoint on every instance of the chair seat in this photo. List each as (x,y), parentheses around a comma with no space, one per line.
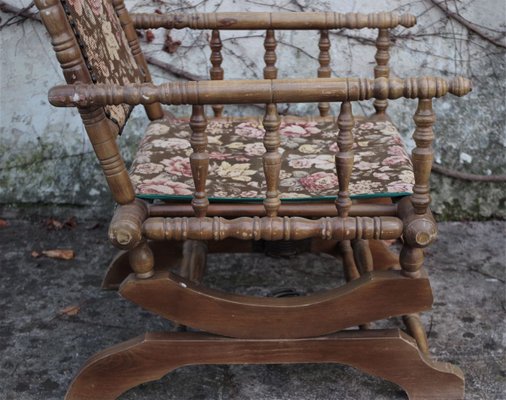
(161,168)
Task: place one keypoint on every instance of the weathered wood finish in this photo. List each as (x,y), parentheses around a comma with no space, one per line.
(352,228)
(344,158)
(390,354)
(276,20)
(423,154)
(125,229)
(270,44)
(257,91)
(381,69)
(153,111)
(216,72)
(324,70)
(271,159)
(179,300)
(271,228)
(101,132)
(199,160)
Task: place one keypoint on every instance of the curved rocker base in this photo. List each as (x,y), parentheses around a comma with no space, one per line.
(389,354)
(375,295)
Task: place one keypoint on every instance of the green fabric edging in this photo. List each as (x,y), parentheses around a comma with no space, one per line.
(168,197)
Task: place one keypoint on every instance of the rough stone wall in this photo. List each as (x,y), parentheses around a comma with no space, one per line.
(46,158)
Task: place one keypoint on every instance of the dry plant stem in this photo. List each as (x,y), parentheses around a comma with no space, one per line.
(468,24)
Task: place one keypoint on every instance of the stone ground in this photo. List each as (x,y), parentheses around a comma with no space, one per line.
(41,348)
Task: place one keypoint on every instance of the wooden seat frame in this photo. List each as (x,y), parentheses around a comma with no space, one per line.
(158,237)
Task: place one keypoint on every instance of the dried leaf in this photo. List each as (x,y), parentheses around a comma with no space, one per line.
(70,310)
(52,224)
(36,254)
(170,45)
(60,254)
(3,223)
(71,222)
(150,36)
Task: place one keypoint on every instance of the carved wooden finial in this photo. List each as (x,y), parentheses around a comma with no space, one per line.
(216,72)
(199,160)
(460,86)
(324,71)
(270,70)
(344,158)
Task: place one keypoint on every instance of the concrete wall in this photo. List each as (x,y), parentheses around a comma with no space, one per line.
(45,157)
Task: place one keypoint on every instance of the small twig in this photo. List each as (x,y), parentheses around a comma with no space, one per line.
(468,24)
(177,72)
(18,12)
(466,176)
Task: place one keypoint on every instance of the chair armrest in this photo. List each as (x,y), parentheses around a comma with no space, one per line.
(257,91)
(276,20)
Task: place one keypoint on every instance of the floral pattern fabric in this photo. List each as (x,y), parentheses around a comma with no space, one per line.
(105,48)
(161,168)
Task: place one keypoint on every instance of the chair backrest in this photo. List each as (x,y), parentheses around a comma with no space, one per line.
(108,51)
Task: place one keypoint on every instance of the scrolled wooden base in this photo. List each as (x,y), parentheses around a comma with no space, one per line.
(388,354)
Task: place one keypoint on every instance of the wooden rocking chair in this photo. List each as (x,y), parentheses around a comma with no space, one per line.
(160,225)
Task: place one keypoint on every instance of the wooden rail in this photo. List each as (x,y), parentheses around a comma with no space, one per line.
(257,91)
(266,20)
(272,228)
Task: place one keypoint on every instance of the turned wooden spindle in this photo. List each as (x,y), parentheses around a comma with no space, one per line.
(271,122)
(270,70)
(154,111)
(271,159)
(422,155)
(216,72)
(271,228)
(273,20)
(199,160)
(142,260)
(344,157)
(324,70)
(381,69)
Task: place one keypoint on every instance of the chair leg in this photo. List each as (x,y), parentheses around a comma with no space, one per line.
(193,264)
(383,258)
(416,329)
(388,354)
(167,257)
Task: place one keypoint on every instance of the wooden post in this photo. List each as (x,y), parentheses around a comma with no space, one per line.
(216,72)
(199,160)
(271,122)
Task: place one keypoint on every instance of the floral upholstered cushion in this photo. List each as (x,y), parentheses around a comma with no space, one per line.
(105,48)
(161,168)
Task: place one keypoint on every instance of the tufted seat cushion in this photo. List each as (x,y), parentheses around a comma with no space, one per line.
(161,169)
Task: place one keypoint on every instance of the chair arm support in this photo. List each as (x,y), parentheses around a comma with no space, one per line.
(276,20)
(125,229)
(256,91)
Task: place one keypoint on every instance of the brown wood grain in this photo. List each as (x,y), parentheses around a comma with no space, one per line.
(179,300)
(390,354)
(257,91)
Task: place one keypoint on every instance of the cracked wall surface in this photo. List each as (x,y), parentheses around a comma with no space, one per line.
(45,156)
